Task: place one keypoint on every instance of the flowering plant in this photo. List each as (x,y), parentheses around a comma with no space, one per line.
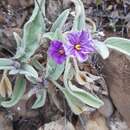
(65,50)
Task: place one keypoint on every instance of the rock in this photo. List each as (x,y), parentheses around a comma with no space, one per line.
(14,3)
(66,3)
(94,122)
(58,125)
(116,122)
(107,109)
(5,122)
(117,75)
(97,122)
(21,110)
(53,9)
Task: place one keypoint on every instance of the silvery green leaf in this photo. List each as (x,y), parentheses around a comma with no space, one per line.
(17,39)
(60,21)
(41,98)
(84,96)
(101,48)
(37,64)
(55,36)
(31,79)
(14,71)
(33,30)
(49,35)
(26,70)
(6,64)
(20,46)
(79,20)
(119,44)
(79,93)
(1,100)
(75,104)
(54,70)
(67,71)
(18,92)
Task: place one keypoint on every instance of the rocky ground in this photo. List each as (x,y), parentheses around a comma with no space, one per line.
(113,19)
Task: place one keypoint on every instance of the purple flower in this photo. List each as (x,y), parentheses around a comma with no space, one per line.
(79,45)
(57,52)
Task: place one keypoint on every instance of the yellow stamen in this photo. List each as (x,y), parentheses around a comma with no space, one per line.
(77,47)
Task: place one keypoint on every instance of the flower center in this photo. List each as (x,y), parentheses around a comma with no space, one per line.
(77,47)
(61,51)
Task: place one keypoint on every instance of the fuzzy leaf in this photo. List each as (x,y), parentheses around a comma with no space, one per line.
(20,46)
(119,44)
(50,35)
(37,64)
(6,64)
(41,98)
(33,30)
(31,79)
(54,70)
(26,70)
(29,71)
(84,96)
(101,48)
(1,100)
(18,92)
(17,39)
(79,93)
(79,21)
(60,21)
(75,104)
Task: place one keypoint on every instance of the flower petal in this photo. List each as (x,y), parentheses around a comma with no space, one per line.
(81,57)
(73,37)
(54,50)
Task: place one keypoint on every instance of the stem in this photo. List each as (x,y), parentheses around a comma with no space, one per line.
(93,23)
(76,65)
(43,15)
(57,84)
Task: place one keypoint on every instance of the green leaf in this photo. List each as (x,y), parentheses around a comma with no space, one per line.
(54,70)
(119,44)
(84,96)
(6,64)
(75,104)
(55,36)
(33,30)
(31,79)
(67,74)
(41,98)
(26,70)
(29,71)
(17,39)
(1,100)
(60,21)
(79,21)
(79,93)
(18,92)
(101,48)
(20,46)
(37,64)
(49,35)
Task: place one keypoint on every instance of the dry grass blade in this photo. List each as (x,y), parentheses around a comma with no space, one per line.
(5,86)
